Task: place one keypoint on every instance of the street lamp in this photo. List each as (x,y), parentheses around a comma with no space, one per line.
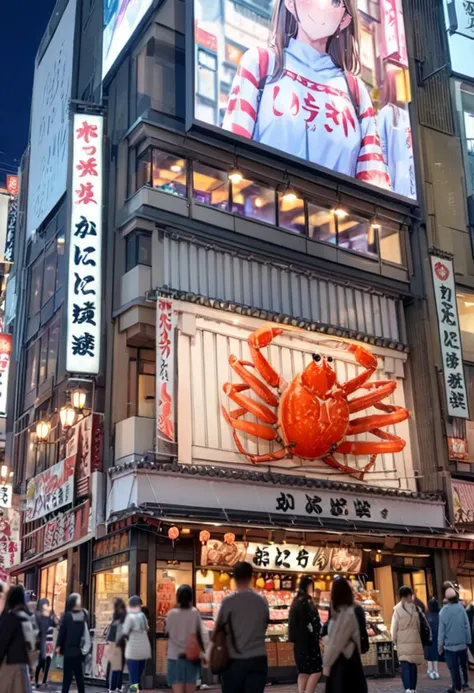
(67,414)
(78,399)
(43,429)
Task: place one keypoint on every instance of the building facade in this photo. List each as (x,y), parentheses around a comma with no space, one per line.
(183,267)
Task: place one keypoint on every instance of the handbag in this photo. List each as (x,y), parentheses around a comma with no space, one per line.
(220,656)
(425,630)
(86,645)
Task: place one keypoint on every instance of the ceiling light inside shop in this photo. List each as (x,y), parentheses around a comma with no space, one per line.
(176,168)
(258,202)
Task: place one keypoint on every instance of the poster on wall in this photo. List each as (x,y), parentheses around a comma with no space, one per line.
(264,556)
(59,531)
(84,444)
(121,20)
(50,490)
(165,366)
(257,77)
(5,356)
(13,185)
(49,139)
(84,327)
(463,502)
(450,336)
(10,546)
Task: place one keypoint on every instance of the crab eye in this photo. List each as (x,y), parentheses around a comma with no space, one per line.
(329,359)
(316,357)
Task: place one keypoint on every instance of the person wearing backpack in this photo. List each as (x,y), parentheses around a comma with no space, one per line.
(304,628)
(188,640)
(406,636)
(301,95)
(17,641)
(73,643)
(138,648)
(454,637)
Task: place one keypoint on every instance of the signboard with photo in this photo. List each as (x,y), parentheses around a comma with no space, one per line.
(59,531)
(50,490)
(165,365)
(463,502)
(10,546)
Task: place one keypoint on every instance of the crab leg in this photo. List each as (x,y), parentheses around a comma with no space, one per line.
(344,469)
(261,411)
(367,423)
(383,388)
(364,358)
(254,429)
(252,381)
(392,444)
(261,338)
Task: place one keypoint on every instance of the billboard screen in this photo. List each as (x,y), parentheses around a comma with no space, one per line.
(324,80)
(121,20)
(49,139)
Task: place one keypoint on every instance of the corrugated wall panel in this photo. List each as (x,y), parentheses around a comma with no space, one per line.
(221,275)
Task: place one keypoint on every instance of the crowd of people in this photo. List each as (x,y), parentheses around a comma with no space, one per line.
(237,650)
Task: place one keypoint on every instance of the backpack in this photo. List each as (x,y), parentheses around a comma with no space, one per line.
(351,80)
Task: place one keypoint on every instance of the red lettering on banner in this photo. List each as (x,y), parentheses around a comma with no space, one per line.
(85,194)
(86,131)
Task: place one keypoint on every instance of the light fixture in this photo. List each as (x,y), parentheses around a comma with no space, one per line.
(375,224)
(78,398)
(43,429)
(185,530)
(289,196)
(67,414)
(4,473)
(340,212)
(235,176)
(176,168)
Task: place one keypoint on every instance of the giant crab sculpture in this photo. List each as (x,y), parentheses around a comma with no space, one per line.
(311,416)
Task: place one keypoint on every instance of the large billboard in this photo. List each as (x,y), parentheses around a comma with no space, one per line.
(324,80)
(49,138)
(121,20)
(460,25)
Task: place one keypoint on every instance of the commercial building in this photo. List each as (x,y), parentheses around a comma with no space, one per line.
(219,212)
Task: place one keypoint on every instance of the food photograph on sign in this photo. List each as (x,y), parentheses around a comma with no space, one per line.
(323,80)
(121,19)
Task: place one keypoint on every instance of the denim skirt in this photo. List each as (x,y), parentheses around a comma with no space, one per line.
(182,671)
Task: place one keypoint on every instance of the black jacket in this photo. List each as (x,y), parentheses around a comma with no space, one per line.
(13,647)
(71,633)
(304,625)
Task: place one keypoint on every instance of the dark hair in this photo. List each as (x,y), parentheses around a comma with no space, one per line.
(184,597)
(16,598)
(405,592)
(72,601)
(42,603)
(243,572)
(305,582)
(433,606)
(134,601)
(341,593)
(343,47)
(119,609)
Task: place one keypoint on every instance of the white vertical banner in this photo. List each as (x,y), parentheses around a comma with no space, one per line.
(5,356)
(85,247)
(165,367)
(450,336)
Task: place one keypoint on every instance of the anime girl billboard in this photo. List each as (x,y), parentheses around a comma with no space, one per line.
(301,88)
(121,19)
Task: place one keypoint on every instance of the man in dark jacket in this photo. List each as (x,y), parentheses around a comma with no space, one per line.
(45,621)
(73,632)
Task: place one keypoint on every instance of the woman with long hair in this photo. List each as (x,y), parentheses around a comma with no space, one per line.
(184,625)
(17,641)
(406,636)
(138,648)
(342,660)
(301,94)
(115,651)
(304,632)
(73,642)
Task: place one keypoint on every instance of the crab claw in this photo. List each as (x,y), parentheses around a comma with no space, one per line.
(264,336)
(363,356)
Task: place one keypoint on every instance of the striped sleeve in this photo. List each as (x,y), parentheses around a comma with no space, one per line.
(242,109)
(371,166)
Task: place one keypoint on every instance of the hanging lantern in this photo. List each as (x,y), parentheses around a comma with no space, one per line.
(204,536)
(223,577)
(229,538)
(173,533)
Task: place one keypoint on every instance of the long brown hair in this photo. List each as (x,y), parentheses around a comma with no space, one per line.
(343,47)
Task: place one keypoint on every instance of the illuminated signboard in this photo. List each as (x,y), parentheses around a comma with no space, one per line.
(288,90)
(85,250)
(460,25)
(121,20)
(12,185)
(5,356)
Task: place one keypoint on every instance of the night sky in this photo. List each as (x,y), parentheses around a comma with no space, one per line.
(21,29)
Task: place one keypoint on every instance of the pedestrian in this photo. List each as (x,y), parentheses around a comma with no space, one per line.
(115,651)
(304,632)
(454,636)
(244,617)
(406,638)
(73,642)
(3,594)
(188,641)
(138,648)
(45,620)
(470,618)
(431,651)
(342,661)
(17,641)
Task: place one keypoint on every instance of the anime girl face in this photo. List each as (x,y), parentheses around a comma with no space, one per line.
(319,19)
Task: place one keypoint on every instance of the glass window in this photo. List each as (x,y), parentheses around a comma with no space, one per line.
(109,585)
(53,347)
(291,212)
(466,322)
(467,128)
(210,186)
(321,224)
(390,244)
(144,169)
(357,234)
(253,201)
(138,251)
(43,361)
(49,273)
(32,367)
(61,261)
(36,279)
(169,173)
(53,586)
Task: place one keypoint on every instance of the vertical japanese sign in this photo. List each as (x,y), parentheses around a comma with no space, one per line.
(165,329)
(450,336)
(461,17)
(6,496)
(12,185)
(11,228)
(5,355)
(394,45)
(85,248)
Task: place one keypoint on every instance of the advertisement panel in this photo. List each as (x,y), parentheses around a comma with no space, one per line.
(4,211)
(460,25)
(13,184)
(10,546)
(463,502)
(50,122)
(50,490)
(85,251)
(319,80)
(5,355)
(121,20)
(11,228)
(166,326)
